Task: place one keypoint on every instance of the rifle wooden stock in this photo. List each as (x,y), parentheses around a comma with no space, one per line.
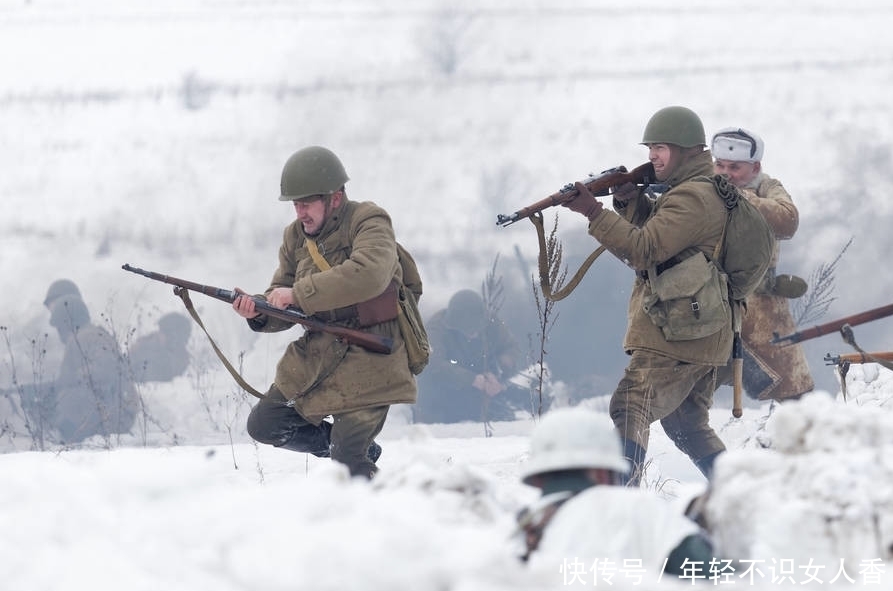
(371,341)
(836,325)
(599,185)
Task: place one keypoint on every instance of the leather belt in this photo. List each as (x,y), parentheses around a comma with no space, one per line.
(338,314)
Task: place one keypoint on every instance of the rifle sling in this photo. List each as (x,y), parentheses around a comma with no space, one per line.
(545,285)
(187,301)
(846,331)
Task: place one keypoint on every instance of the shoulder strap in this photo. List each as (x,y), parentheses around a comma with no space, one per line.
(730,195)
(321,263)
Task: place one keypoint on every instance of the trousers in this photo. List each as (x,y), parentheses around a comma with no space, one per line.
(657,388)
(347,440)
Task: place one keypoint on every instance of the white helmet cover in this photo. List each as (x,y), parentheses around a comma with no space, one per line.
(574,438)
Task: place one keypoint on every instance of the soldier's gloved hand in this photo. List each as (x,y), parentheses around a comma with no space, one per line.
(623,193)
(584,202)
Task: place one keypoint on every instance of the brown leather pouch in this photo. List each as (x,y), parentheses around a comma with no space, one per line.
(381,308)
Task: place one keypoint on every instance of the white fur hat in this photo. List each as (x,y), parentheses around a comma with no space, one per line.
(737,144)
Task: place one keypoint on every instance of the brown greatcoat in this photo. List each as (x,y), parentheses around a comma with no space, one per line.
(771,371)
(687,218)
(320,374)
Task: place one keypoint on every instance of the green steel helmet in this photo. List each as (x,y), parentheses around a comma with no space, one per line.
(675,125)
(311,171)
(60,288)
(465,312)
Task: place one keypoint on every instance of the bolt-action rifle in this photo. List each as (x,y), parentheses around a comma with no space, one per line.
(599,185)
(858,357)
(836,325)
(371,341)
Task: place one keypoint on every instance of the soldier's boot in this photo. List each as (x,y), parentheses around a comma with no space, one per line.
(635,455)
(309,439)
(316,440)
(705,464)
(374,452)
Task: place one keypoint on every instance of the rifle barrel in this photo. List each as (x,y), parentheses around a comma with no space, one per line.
(858,357)
(829,327)
(599,185)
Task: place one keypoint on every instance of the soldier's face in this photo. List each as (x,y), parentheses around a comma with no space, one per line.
(740,173)
(665,159)
(313,212)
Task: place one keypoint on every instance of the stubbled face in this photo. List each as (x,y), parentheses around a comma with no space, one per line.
(740,173)
(665,158)
(313,212)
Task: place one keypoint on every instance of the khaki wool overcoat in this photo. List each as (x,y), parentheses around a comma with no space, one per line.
(647,232)
(318,373)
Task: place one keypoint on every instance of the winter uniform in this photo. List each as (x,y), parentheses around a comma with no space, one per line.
(465,343)
(92,393)
(319,374)
(584,516)
(659,381)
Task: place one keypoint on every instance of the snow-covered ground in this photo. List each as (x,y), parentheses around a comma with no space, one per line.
(814,507)
(154,134)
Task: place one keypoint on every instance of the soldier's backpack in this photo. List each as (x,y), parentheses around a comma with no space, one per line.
(745,251)
(415,337)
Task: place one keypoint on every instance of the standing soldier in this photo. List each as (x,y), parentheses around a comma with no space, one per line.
(335,257)
(672,235)
(91,394)
(770,371)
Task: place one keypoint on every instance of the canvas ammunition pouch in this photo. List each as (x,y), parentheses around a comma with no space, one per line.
(415,337)
(689,300)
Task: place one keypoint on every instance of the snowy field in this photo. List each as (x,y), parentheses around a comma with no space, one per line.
(154,134)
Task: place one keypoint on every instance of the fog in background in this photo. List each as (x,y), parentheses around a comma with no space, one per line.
(155,134)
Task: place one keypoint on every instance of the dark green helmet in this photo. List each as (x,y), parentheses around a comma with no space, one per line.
(465,312)
(311,171)
(60,288)
(675,125)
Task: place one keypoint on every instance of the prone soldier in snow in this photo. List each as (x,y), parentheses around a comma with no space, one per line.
(585,511)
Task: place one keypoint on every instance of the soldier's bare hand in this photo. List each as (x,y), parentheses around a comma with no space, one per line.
(493,385)
(281,297)
(244,304)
